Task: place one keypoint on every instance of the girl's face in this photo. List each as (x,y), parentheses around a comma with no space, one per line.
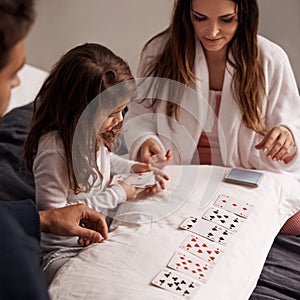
(215,22)
(113,119)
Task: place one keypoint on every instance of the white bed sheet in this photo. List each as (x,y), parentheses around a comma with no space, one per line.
(123,266)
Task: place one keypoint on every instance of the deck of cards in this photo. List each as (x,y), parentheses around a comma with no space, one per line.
(244,177)
(138,180)
(194,261)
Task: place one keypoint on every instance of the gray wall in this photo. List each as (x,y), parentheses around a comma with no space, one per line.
(280,22)
(125,25)
(122,25)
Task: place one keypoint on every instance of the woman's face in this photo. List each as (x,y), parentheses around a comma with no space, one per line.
(215,22)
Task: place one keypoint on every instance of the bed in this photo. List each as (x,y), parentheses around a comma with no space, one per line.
(145,234)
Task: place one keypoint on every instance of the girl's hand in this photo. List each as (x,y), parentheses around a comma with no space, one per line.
(130,191)
(141,167)
(278,143)
(149,148)
(160,176)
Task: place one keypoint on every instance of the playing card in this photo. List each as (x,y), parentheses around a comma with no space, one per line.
(207,229)
(202,248)
(141,180)
(222,217)
(190,265)
(236,206)
(189,223)
(177,283)
(119,177)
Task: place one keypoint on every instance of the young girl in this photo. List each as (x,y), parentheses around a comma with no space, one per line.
(213,48)
(77,115)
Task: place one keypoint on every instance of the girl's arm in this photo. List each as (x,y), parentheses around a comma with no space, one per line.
(119,165)
(51,174)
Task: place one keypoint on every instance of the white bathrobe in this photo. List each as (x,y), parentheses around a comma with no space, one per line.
(281,105)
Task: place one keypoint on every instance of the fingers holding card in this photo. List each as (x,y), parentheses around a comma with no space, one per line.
(139,180)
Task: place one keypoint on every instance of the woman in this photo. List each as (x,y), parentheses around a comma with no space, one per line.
(247,81)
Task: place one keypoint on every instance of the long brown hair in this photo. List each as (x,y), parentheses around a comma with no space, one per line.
(16,18)
(73,84)
(177,59)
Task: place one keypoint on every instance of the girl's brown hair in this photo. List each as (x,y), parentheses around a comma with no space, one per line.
(74,84)
(177,59)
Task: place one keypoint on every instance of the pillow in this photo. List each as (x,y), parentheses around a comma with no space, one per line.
(31,79)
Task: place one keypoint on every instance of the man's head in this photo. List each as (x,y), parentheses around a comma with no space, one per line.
(16,18)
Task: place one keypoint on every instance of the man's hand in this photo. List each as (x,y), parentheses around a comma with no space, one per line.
(75,220)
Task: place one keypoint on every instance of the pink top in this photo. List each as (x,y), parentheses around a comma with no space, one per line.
(208,146)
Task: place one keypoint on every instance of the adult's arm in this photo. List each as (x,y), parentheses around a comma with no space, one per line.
(20,272)
(26,214)
(140,120)
(283,97)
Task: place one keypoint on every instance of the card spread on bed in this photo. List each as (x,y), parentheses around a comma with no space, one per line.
(202,251)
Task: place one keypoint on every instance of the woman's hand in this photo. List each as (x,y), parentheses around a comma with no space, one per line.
(149,148)
(278,143)
(141,167)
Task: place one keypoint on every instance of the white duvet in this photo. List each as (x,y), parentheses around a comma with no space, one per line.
(145,235)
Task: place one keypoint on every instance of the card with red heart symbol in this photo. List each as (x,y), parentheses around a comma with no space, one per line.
(190,265)
(202,248)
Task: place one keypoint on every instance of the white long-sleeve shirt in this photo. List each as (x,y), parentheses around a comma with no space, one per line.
(53,190)
(281,106)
